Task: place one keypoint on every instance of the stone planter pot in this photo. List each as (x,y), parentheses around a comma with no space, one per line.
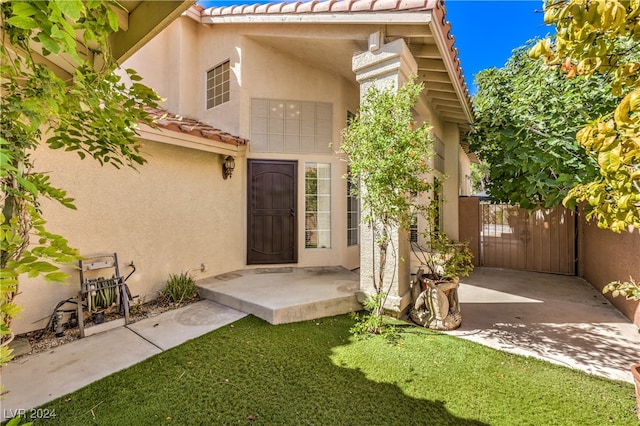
(635,370)
(437,305)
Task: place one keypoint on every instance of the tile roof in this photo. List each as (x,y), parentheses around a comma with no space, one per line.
(176,123)
(327,6)
(308,8)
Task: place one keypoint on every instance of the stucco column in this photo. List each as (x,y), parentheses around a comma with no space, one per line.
(451,185)
(386,67)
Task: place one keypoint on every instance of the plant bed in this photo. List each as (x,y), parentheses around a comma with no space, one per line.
(44,340)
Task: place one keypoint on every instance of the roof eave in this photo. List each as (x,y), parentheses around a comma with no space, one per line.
(143,23)
(428,17)
(452,68)
(377,18)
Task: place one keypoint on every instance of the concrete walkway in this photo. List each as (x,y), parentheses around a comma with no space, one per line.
(33,380)
(557,318)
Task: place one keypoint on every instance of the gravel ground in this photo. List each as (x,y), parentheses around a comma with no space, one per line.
(43,340)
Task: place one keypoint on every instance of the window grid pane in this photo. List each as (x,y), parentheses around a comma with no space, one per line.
(218,86)
(307,125)
(413,230)
(317,205)
(353,210)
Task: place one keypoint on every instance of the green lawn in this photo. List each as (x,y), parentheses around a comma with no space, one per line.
(317,373)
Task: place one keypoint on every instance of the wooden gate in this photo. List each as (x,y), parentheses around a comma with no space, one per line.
(514,238)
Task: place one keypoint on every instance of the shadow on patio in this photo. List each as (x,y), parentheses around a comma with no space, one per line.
(558,318)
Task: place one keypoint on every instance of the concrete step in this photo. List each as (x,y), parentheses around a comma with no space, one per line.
(285,295)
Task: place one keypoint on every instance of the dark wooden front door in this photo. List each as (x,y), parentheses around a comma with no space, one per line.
(271,232)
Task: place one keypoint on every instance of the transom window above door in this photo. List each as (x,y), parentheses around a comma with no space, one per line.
(291,126)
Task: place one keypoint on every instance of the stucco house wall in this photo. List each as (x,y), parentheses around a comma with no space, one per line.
(262,71)
(464,176)
(177,212)
(258,71)
(173,214)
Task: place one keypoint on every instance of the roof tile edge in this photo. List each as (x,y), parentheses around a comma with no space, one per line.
(173,122)
(322,6)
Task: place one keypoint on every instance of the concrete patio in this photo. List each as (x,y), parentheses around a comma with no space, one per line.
(558,318)
(284,295)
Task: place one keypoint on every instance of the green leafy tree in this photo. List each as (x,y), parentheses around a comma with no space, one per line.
(527,118)
(91,112)
(480,176)
(388,153)
(602,37)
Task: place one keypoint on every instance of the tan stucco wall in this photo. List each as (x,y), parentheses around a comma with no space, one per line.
(604,256)
(160,63)
(451,184)
(268,73)
(177,212)
(258,71)
(174,214)
(464,173)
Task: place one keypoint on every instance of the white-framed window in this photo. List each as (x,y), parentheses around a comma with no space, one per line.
(353,211)
(218,85)
(291,126)
(317,205)
(413,230)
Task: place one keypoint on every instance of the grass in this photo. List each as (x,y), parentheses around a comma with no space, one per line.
(316,373)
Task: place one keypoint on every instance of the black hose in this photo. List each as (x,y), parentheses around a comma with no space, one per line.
(49,326)
(130,273)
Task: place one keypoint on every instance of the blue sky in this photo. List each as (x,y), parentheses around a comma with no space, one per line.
(486,32)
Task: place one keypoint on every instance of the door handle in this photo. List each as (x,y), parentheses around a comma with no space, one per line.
(292,213)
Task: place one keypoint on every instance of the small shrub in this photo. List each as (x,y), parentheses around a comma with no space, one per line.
(629,289)
(373,322)
(180,288)
(365,324)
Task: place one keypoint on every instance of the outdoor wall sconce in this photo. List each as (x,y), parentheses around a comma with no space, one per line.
(227,167)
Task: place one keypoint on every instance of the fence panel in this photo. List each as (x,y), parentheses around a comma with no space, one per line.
(541,241)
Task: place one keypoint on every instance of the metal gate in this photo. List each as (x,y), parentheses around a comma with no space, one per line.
(514,238)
